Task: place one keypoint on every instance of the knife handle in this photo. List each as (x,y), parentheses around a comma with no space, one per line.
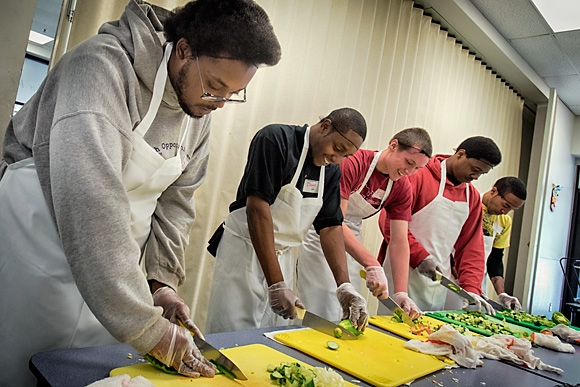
(183,326)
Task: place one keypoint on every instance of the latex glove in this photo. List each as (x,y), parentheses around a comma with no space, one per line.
(354,306)
(480,304)
(407,304)
(377,281)
(427,267)
(174,308)
(283,301)
(509,302)
(176,349)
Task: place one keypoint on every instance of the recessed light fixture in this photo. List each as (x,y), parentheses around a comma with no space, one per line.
(561,15)
(38,38)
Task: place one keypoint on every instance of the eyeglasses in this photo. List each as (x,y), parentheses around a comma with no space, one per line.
(346,138)
(414,147)
(215,98)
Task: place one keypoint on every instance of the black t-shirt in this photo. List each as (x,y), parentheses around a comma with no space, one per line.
(272,161)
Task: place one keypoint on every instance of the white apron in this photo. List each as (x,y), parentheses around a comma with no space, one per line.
(239,294)
(488,245)
(436,227)
(316,285)
(33,266)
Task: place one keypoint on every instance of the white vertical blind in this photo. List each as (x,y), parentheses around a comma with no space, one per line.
(384,58)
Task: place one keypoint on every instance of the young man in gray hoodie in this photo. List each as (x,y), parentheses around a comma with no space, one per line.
(98,172)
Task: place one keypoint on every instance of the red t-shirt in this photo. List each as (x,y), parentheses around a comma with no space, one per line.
(354,170)
(469,249)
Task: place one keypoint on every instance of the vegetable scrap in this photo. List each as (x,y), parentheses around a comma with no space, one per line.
(481,321)
(538,320)
(297,375)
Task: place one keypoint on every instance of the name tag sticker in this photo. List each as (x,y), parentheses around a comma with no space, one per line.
(310,186)
(379,193)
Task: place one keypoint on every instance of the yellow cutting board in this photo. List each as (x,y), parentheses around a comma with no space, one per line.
(376,358)
(252,360)
(390,324)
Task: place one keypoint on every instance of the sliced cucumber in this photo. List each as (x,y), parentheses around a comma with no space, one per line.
(332,345)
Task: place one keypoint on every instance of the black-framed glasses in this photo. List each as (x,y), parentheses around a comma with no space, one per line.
(414,147)
(346,138)
(216,98)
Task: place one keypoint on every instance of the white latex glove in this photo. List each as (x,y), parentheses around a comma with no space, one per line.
(408,305)
(176,349)
(427,267)
(509,302)
(480,304)
(354,306)
(377,281)
(283,301)
(174,308)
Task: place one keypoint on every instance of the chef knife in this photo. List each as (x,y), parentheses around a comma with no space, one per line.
(393,306)
(454,287)
(215,356)
(322,325)
(495,305)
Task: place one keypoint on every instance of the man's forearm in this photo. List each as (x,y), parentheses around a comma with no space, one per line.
(332,242)
(498,284)
(356,249)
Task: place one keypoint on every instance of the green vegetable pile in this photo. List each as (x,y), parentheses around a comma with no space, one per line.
(480,320)
(346,324)
(559,318)
(538,320)
(172,371)
(292,375)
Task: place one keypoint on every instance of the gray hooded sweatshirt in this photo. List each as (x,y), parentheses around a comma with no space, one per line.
(78,129)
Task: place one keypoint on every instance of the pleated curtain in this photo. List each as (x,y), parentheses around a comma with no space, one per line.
(384,58)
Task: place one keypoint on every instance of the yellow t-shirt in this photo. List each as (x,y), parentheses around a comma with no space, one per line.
(502,235)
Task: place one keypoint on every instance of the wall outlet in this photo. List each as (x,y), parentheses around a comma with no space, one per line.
(550,307)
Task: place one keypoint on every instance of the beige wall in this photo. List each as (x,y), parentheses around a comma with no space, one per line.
(15,21)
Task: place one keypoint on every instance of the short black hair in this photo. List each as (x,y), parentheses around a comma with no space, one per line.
(413,138)
(481,148)
(234,29)
(513,185)
(346,119)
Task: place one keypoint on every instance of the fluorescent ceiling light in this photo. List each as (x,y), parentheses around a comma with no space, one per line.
(561,15)
(39,39)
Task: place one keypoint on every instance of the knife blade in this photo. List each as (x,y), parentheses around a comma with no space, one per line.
(397,311)
(454,287)
(495,305)
(213,355)
(323,325)
(393,306)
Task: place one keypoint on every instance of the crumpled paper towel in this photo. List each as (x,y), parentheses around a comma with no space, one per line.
(448,342)
(551,342)
(122,381)
(507,347)
(567,333)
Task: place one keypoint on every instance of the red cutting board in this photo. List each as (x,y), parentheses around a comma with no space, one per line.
(375,357)
(252,360)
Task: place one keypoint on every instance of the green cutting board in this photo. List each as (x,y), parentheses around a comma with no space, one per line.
(535,328)
(376,358)
(441,316)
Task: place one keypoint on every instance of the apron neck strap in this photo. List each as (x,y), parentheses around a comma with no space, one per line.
(158,89)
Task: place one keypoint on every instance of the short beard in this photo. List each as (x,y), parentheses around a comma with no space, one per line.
(180,85)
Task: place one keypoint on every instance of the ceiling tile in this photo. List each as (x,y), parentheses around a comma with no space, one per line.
(567,88)
(513,18)
(544,55)
(570,43)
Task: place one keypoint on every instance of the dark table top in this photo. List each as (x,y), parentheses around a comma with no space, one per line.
(82,366)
